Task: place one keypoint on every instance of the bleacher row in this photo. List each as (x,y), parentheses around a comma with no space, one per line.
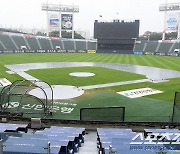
(14,41)
(15,138)
(18,138)
(151,141)
(10,41)
(155,46)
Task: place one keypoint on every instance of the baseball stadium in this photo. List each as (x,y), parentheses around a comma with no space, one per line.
(110,94)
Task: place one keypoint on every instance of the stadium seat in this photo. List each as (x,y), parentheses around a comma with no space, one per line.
(7,42)
(151,46)
(68,44)
(164,47)
(45,44)
(32,41)
(81,45)
(20,41)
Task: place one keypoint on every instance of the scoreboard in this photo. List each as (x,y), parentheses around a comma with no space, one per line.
(116,29)
(116,35)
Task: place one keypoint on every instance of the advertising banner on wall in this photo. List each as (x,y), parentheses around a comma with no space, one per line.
(66,21)
(54,21)
(135,93)
(172,21)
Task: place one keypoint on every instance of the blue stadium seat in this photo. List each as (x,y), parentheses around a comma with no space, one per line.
(119,141)
(5,127)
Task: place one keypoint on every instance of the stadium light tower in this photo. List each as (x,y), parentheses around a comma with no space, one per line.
(171,17)
(63,19)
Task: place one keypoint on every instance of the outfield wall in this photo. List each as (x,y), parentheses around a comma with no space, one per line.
(91,52)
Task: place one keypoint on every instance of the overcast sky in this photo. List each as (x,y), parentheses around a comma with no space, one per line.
(28,14)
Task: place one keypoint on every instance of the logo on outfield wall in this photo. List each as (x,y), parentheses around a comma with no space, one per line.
(91,51)
(139,92)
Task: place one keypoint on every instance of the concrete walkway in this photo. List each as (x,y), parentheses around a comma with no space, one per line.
(90,144)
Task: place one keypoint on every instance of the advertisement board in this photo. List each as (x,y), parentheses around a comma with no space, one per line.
(54,20)
(91,51)
(172,21)
(135,93)
(66,21)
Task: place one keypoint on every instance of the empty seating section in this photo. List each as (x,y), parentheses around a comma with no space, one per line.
(19,138)
(57,43)
(164,47)
(19,40)
(68,44)
(123,141)
(91,45)
(81,45)
(5,39)
(107,136)
(12,41)
(25,143)
(151,46)
(70,137)
(175,46)
(45,44)
(57,140)
(33,43)
(12,127)
(139,46)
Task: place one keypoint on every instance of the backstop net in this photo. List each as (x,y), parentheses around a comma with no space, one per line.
(176,108)
(107,114)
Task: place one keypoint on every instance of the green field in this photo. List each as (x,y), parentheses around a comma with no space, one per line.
(60,76)
(150,108)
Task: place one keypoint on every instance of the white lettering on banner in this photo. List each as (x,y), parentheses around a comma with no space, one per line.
(11,105)
(156,138)
(28,106)
(139,92)
(63,103)
(55,108)
(66,109)
(39,107)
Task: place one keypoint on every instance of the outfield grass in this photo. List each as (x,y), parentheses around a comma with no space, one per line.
(150,108)
(60,76)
